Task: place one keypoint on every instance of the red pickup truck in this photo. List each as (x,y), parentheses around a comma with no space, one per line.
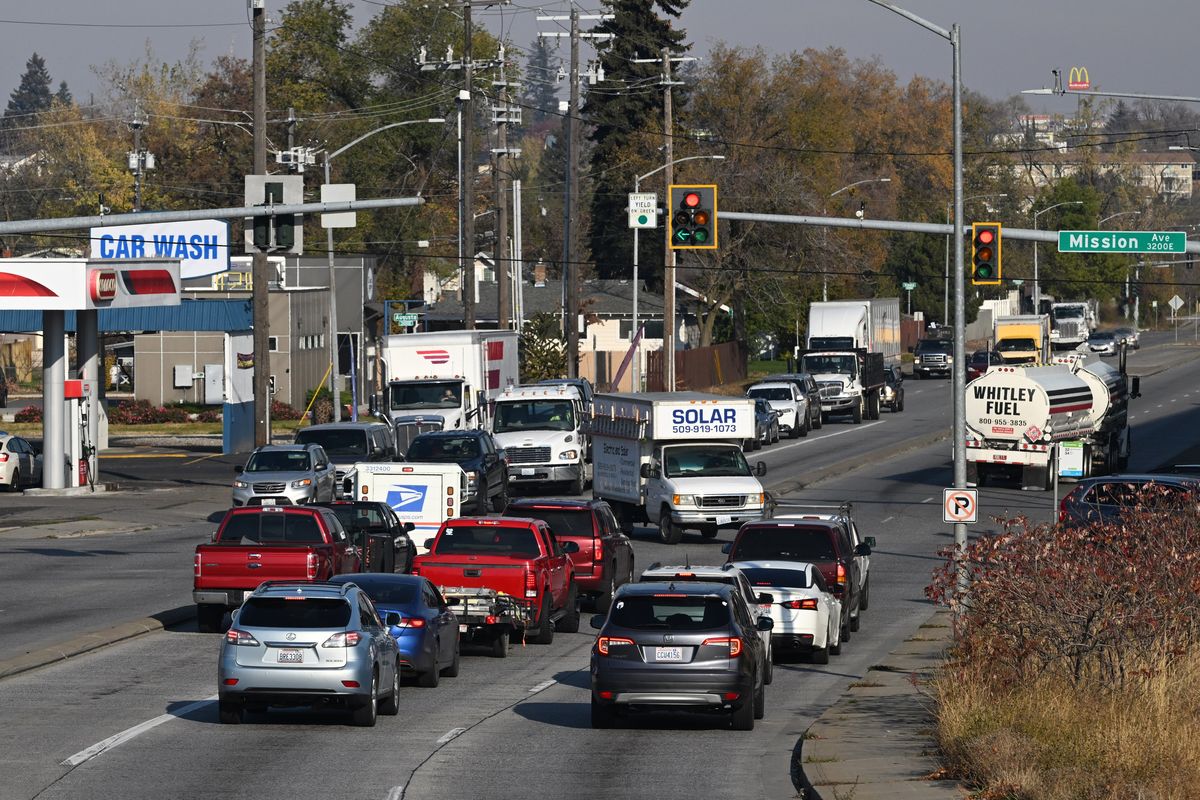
(267,543)
(519,557)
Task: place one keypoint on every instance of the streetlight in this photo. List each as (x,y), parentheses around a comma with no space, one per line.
(946,301)
(333,324)
(1037,286)
(637,185)
(1118,214)
(825,212)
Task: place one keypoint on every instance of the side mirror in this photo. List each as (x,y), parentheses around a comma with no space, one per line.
(570,547)
(765,624)
(238,469)
(760,468)
(765,599)
(392,618)
(409,527)
(597,621)
(213,538)
(869,541)
(727,548)
(863,549)
(429,544)
(645,470)
(1135,390)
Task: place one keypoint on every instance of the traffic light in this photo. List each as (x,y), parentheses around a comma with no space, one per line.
(692,212)
(282,233)
(985,253)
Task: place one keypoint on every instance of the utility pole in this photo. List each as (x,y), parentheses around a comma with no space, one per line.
(137,123)
(502,114)
(669,266)
(570,251)
(468,219)
(291,138)
(259,268)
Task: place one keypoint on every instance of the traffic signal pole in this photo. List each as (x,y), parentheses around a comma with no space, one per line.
(259,264)
(669,263)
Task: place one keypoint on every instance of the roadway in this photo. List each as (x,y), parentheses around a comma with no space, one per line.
(503,728)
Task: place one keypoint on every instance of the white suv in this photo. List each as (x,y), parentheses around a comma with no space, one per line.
(790,404)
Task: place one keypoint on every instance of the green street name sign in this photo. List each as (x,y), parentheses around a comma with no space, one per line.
(1122,242)
(404,320)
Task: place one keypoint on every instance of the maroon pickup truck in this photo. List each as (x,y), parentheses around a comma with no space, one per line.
(519,557)
(267,543)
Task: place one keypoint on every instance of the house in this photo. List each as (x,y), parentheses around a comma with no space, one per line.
(1169,174)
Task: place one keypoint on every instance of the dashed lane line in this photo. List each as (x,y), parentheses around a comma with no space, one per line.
(855,429)
(129,734)
(451,735)
(543,686)
(927,500)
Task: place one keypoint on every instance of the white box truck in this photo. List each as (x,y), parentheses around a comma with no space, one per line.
(675,459)
(424,494)
(849,344)
(447,379)
(540,429)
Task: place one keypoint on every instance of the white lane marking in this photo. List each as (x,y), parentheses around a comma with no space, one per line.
(130,733)
(543,686)
(1159,405)
(451,735)
(395,793)
(927,500)
(1174,400)
(889,519)
(855,429)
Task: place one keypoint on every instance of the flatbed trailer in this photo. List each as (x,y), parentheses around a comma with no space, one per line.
(488,617)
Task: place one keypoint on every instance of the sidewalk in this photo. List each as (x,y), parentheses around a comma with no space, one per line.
(877,741)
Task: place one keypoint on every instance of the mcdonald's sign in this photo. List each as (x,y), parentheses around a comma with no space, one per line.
(1078,80)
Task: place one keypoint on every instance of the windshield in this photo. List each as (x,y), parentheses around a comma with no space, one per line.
(686,613)
(443,449)
(336,442)
(562,521)
(1101,337)
(770,576)
(1068,313)
(766,393)
(488,539)
(426,395)
(285,612)
(1015,345)
(786,544)
(279,461)
(831,365)
(705,461)
(933,346)
(532,415)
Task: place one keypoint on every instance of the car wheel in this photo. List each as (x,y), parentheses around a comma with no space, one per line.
(570,623)
(769,669)
(367,712)
(668,531)
(845,634)
(15,485)
(500,645)
(794,433)
(390,705)
(804,427)
(708,531)
(452,670)
(743,718)
(855,621)
(209,617)
(430,678)
(775,436)
(545,634)
(760,702)
(500,501)
(231,712)
(864,598)
(835,647)
(818,420)
(603,716)
(819,655)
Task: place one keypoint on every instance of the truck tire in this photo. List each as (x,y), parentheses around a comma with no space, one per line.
(873,405)
(709,531)
(545,633)
(500,501)
(570,623)
(857,414)
(209,617)
(668,531)
(500,645)
(1123,460)
(577,485)
(603,716)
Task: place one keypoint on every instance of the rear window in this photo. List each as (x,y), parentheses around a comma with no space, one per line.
(389,592)
(686,613)
(785,544)
(763,576)
(771,393)
(562,521)
(280,612)
(443,448)
(271,528)
(359,519)
(489,540)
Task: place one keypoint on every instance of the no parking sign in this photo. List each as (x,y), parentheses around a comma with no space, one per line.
(960,505)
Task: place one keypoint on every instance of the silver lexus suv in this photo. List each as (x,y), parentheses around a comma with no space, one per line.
(309,644)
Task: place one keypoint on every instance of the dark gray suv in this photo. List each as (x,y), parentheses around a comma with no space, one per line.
(686,646)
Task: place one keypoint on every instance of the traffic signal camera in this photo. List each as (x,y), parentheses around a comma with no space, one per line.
(985,253)
(692,212)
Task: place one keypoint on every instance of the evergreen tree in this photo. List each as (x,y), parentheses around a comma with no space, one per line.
(627,104)
(540,96)
(33,94)
(63,95)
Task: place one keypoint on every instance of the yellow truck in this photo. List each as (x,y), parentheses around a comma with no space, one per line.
(1023,339)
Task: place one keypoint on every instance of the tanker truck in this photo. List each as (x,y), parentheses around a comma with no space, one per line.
(1016,416)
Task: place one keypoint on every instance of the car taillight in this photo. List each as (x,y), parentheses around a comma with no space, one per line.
(410,622)
(1062,509)
(530,584)
(235,637)
(605,642)
(809,604)
(311,566)
(3,457)
(196,566)
(346,639)
(841,574)
(734,644)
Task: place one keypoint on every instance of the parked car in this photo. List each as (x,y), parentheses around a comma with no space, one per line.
(288,474)
(1128,337)
(1103,343)
(426,632)
(980,361)
(604,561)
(806,613)
(365,518)
(20,463)
(807,385)
(476,452)
(308,644)
(693,646)
(349,443)
(766,425)
(892,395)
(519,557)
(789,402)
(933,357)
(1105,499)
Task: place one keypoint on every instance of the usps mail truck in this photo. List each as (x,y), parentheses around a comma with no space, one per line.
(424,494)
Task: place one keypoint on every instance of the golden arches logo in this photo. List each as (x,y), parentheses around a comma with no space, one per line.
(1078,79)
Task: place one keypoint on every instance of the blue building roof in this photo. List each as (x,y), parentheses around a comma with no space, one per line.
(189,315)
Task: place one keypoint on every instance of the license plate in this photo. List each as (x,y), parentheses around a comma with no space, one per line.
(268,501)
(527,471)
(462,628)
(668,654)
(291,657)
(724,520)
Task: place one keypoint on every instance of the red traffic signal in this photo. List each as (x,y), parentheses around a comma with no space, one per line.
(985,253)
(693,217)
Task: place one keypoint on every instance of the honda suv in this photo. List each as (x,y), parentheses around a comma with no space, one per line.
(692,646)
(309,644)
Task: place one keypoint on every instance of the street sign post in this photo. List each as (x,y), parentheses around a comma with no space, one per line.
(1175,303)
(1122,242)
(960,505)
(643,210)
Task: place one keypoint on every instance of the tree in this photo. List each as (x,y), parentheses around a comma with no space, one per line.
(543,353)
(308,61)
(33,94)
(540,96)
(63,95)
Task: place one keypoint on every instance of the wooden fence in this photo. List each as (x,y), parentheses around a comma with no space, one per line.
(699,368)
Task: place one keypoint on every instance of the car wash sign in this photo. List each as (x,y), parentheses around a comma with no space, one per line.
(201,246)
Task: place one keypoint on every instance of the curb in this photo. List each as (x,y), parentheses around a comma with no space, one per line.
(852,463)
(88,642)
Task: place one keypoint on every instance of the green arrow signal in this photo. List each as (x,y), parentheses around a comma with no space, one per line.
(683,235)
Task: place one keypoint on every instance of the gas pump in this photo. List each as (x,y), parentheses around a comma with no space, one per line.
(81,450)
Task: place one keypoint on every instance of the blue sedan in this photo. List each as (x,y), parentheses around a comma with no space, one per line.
(428,631)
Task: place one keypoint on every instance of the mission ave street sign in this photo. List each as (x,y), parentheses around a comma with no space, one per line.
(1122,242)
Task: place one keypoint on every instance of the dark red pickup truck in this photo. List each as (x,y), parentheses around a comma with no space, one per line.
(267,543)
(519,557)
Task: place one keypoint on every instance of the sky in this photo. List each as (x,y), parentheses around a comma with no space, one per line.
(1007,45)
